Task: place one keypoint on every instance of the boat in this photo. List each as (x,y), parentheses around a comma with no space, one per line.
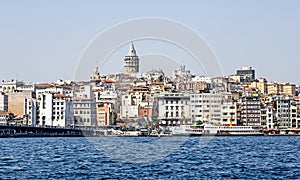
(209,129)
(144,132)
(215,130)
(187,130)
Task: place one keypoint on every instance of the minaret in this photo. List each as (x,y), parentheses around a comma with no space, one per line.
(96,74)
(132,62)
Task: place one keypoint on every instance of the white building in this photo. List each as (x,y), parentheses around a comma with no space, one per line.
(283,111)
(107,96)
(206,107)
(31,110)
(3,118)
(62,110)
(271,117)
(173,108)
(229,114)
(201,79)
(129,108)
(46,109)
(65,90)
(84,105)
(27,87)
(181,71)
(293,116)
(3,102)
(55,110)
(11,86)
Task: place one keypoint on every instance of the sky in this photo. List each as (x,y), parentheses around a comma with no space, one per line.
(42,41)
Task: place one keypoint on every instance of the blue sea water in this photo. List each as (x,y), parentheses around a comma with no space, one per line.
(221,158)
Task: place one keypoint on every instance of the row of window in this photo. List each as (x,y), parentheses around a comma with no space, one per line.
(175,102)
(58,117)
(81,112)
(58,112)
(172,107)
(250,111)
(230,107)
(171,114)
(82,105)
(205,101)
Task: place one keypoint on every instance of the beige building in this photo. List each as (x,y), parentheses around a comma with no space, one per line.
(260,84)
(273,88)
(281,88)
(16,102)
(104,114)
(289,89)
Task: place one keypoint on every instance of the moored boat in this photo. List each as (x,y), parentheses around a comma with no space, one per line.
(231,130)
(187,130)
(215,130)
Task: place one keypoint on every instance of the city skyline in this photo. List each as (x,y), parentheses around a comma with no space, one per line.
(34,37)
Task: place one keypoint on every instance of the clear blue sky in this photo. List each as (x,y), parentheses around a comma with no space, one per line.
(43,40)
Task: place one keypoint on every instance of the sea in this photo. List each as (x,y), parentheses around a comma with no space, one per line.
(265,157)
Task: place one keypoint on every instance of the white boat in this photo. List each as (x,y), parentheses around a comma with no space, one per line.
(215,130)
(209,129)
(187,130)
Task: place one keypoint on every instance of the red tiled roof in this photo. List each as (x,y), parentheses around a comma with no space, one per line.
(109,81)
(4,112)
(61,96)
(45,85)
(81,99)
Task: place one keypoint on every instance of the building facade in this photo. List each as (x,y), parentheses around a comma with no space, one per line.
(3,102)
(248,72)
(250,110)
(173,108)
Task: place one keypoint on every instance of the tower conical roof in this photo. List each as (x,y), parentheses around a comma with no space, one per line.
(131,51)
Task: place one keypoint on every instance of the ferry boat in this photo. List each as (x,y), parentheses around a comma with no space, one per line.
(187,130)
(209,129)
(215,130)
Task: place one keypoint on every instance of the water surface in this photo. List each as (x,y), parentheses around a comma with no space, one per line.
(223,157)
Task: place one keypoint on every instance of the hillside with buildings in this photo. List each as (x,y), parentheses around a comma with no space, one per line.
(139,99)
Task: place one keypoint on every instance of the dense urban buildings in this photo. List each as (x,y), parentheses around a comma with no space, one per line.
(138,99)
